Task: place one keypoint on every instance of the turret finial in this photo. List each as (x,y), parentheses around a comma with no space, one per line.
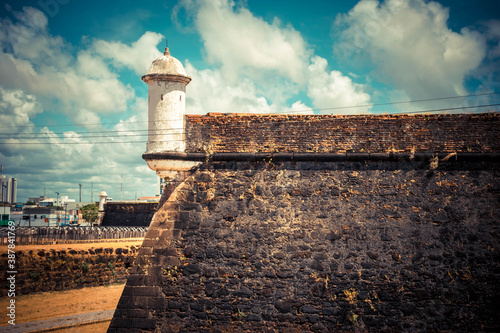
(167,52)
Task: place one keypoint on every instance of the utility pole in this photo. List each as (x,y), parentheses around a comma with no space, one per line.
(3,200)
(57,210)
(92,192)
(80,192)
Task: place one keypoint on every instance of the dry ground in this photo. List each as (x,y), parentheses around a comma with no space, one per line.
(63,303)
(48,305)
(75,246)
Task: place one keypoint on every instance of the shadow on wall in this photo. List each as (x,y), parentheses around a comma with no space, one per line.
(128,214)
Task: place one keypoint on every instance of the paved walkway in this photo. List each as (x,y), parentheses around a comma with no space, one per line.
(59,322)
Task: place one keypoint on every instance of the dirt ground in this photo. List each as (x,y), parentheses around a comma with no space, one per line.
(41,306)
(63,303)
(75,246)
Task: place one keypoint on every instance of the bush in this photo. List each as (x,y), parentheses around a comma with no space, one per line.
(89,212)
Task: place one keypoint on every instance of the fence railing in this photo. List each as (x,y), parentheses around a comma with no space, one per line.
(51,235)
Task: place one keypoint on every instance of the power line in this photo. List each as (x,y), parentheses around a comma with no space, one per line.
(169,131)
(102,132)
(449,109)
(295,111)
(391,103)
(77,125)
(90,136)
(46,135)
(113,142)
(76,143)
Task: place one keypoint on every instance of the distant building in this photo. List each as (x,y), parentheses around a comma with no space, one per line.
(41,217)
(49,217)
(148,199)
(8,187)
(4,213)
(63,200)
(160,186)
(38,199)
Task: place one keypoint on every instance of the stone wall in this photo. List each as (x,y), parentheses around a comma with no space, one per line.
(299,247)
(126,214)
(42,271)
(215,133)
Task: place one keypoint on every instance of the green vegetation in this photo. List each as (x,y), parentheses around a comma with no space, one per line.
(89,212)
(85,267)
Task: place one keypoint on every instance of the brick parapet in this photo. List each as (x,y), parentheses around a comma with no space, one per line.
(216,133)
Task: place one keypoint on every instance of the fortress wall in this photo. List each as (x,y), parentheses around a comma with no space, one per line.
(123,214)
(314,247)
(340,134)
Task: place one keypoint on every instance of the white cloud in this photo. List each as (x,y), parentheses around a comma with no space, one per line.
(209,91)
(410,46)
(300,108)
(43,65)
(16,109)
(32,18)
(138,56)
(237,40)
(262,65)
(332,90)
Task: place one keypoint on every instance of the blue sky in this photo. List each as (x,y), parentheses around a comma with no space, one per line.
(73,108)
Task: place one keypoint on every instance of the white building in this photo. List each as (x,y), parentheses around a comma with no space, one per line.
(8,187)
(44,217)
(63,200)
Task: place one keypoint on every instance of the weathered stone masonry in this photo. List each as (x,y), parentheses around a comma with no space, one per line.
(344,245)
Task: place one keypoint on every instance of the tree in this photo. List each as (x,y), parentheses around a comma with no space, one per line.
(89,212)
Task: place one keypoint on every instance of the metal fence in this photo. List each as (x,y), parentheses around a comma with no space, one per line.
(53,235)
